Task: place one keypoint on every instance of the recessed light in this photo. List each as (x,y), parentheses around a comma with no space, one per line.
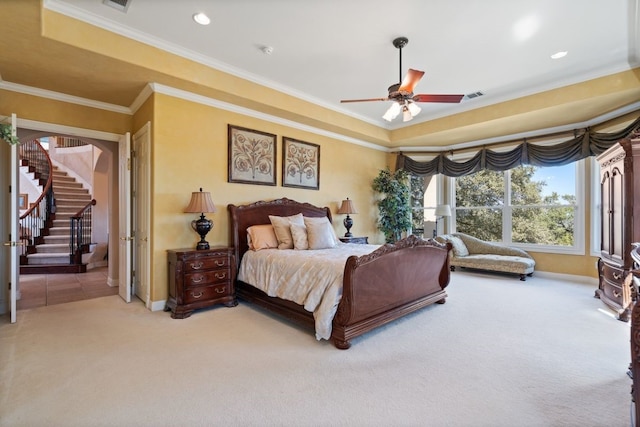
(559,55)
(201,18)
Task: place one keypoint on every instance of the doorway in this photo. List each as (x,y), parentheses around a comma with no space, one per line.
(91,283)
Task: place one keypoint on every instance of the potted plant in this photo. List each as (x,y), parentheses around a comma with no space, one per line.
(394,209)
(7,135)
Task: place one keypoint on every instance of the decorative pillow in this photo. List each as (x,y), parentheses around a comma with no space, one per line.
(459,248)
(320,233)
(299,235)
(281,226)
(261,237)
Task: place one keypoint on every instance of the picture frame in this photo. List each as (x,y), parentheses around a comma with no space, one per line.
(252,156)
(23,201)
(300,164)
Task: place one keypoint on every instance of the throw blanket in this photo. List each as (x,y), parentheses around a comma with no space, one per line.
(311,278)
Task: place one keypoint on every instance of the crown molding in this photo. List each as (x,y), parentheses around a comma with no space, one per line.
(58,96)
(532,134)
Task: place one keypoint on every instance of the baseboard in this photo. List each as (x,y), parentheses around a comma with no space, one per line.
(158,305)
(586,280)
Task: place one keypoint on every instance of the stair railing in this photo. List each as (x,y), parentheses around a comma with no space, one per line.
(80,233)
(39,214)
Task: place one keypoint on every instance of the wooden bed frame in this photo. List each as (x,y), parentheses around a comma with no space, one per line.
(393,281)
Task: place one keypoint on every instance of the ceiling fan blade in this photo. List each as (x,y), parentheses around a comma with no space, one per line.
(410,80)
(438,98)
(365,100)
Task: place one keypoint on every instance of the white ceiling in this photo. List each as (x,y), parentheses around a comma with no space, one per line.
(328,50)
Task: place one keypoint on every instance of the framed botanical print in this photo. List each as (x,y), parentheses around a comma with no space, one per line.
(252,156)
(300,164)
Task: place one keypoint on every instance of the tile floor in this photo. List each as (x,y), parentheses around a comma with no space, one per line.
(38,290)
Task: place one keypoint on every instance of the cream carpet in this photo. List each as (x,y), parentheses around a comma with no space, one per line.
(500,352)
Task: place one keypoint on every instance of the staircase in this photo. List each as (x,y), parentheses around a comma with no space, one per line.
(51,254)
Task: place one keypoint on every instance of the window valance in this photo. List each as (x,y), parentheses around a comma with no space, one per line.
(587,144)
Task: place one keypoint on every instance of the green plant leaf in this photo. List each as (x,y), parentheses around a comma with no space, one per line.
(7,135)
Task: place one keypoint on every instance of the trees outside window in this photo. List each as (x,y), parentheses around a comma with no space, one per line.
(528,205)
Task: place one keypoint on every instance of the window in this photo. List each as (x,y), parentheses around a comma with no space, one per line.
(528,205)
(424,198)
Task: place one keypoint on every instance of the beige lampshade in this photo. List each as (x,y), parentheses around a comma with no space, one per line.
(347,207)
(200,202)
(443,210)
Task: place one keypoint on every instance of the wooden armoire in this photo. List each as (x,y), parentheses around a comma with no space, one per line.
(620,221)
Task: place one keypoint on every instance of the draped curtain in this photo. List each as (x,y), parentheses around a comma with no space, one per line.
(587,144)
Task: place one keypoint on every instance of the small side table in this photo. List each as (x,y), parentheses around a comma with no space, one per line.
(358,240)
(199,279)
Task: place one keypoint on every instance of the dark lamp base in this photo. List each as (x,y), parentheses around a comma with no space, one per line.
(202,245)
(202,226)
(348,223)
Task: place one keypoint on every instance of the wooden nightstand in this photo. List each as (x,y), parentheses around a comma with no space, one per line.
(200,278)
(359,240)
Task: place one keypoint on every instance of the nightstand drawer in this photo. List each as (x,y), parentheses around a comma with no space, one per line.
(207,277)
(204,293)
(199,264)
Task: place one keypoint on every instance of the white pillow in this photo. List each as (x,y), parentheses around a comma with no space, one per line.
(299,234)
(320,233)
(261,237)
(281,226)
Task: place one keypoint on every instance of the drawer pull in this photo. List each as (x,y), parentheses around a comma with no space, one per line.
(197,279)
(196,296)
(220,263)
(196,266)
(221,275)
(220,290)
(617,276)
(616,294)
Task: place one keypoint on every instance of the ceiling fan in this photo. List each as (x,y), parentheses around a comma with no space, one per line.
(402,93)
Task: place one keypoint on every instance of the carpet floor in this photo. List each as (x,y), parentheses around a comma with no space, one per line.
(500,352)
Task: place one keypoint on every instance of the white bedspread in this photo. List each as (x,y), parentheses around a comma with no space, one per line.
(311,278)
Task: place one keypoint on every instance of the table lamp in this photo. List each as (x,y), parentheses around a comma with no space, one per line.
(201,203)
(347,207)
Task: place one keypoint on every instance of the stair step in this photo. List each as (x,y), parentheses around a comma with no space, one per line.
(58,239)
(59,231)
(53,269)
(68,186)
(47,259)
(52,248)
(72,194)
(69,206)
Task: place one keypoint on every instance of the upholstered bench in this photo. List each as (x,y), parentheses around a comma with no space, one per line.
(471,252)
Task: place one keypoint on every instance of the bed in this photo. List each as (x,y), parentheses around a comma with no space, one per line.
(390,282)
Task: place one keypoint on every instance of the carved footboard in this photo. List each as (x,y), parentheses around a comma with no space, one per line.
(389,283)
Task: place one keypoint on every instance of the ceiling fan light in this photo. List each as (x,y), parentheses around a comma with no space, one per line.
(406,114)
(392,112)
(413,109)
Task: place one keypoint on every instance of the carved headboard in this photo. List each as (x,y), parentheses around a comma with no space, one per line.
(244,216)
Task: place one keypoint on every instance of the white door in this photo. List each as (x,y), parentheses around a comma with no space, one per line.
(14,227)
(124,221)
(140,175)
